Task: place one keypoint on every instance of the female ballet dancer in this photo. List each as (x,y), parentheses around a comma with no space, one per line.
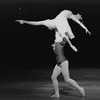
(63,34)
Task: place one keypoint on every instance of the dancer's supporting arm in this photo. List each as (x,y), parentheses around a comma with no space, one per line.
(76,19)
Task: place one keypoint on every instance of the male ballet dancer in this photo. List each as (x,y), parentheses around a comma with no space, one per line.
(63,34)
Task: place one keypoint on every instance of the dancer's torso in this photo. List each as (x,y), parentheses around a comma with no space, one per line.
(61,24)
(59,51)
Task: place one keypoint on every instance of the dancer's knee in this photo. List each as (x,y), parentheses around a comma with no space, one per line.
(67,80)
(53,77)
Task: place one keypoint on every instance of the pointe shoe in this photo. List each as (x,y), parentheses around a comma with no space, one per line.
(74,48)
(82,92)
(55,95)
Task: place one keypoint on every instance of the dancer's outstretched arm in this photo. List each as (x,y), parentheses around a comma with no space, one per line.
(81,24)
(37,23)
(31,22)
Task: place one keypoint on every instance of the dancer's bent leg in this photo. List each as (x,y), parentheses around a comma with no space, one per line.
(56,72)
(65,72)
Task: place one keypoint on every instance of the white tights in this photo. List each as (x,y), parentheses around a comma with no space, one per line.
(65,72)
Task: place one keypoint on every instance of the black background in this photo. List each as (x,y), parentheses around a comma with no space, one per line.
(26,47)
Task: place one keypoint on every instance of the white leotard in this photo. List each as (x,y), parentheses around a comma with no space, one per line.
(60,22)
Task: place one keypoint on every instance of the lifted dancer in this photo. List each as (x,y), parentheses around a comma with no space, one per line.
(63,34)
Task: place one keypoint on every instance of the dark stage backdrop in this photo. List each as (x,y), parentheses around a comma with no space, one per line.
(26,47)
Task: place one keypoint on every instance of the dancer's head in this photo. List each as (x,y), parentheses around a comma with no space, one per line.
(78,16)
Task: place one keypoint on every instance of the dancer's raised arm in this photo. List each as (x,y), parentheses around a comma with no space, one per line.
(37,23)
(76,19)
(31,22)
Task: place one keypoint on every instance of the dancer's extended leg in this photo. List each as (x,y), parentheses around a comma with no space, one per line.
(65,72)
(56,72)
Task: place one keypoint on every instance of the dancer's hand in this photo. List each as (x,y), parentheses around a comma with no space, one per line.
(50,27)
(20,21)
(74,48)
(53,45)
(64,39)
(87,31)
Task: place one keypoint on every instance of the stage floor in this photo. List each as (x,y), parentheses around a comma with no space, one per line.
(41,89)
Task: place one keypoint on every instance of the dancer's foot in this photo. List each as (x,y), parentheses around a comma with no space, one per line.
(82,92)
(55,95)
(74,48)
